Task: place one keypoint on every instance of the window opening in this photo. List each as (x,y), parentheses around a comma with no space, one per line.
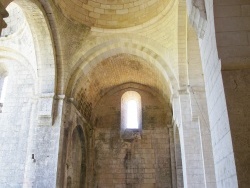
(130,114)
(132,117)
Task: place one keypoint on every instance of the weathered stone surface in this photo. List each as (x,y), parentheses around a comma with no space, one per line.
(69,61)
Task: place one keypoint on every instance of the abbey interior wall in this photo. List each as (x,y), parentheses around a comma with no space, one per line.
(235,85)
(111,160)
(14,118)
(233,42)
(143,162)
(217,109)
(227,115)
(76,150)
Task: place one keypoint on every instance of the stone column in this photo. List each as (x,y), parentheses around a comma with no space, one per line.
(199,113)
(46,146)
(178,161)
(191,146)
(172,154)
(30,163)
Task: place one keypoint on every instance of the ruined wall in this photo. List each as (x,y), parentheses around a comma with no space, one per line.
(141,162)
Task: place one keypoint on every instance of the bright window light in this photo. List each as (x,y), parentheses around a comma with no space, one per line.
(132,115)
(130,111)
(3,92)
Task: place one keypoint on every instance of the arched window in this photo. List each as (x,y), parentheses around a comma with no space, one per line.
(3,87)
(131,119)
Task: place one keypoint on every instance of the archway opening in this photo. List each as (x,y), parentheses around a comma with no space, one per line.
(125,92)
(76,170)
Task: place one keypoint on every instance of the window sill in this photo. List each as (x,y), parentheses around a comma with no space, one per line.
(131,134)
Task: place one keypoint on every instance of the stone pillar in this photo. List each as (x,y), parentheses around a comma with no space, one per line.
(45,108)
(45,148)
(30,163)
(178,161)
(199,112)
(191,146)
(3,14)
(172,154)
(231,20)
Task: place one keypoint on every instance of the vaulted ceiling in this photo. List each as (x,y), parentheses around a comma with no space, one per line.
(118,70)
(111,14)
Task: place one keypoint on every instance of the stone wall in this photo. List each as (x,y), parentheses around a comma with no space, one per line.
(143,162)
(75,167)
(217,108)
(30,142)
(232,20)
(226,94)
(237,84)
(15,123)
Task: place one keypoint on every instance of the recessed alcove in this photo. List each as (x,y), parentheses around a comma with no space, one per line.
(141,158)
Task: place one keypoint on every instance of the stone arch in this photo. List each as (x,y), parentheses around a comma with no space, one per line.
(41,33)
(110,48)
(78,159)
(17,37)
(7,54)
(114,53)
(126,157)
(17,107)
(44,56)
(8,58)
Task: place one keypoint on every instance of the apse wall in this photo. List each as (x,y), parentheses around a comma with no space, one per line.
(140,162)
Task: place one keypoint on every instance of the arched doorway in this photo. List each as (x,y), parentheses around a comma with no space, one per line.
(76,161)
